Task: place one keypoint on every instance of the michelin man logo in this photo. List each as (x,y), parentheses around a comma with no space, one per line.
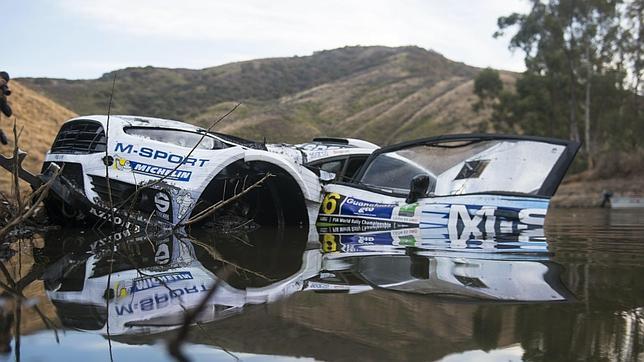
(121,164)
(184,200)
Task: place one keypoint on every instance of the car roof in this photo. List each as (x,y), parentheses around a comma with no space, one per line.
(137,121)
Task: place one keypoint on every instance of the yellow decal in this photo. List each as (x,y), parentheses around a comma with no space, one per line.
(330,203)
(329,245)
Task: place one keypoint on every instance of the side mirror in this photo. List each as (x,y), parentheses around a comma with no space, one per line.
(326,176)
(418,188)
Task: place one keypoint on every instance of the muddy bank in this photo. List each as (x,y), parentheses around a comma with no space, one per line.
(579,192)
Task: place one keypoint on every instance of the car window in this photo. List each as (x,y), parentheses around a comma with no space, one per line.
(334,167)
(468,166)
(353,165)
(391,173)
(176,137)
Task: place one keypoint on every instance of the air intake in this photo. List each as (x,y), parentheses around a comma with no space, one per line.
(80,137)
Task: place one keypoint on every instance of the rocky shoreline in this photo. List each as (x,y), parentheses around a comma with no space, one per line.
(579,192)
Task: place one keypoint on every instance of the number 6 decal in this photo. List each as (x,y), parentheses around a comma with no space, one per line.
(330,203)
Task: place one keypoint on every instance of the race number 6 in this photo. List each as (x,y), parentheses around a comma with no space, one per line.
(330,203)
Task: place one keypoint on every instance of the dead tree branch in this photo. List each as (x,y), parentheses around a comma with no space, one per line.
(20,217)
(174,346)
(211,209)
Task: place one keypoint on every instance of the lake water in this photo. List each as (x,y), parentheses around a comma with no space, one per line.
(278,296)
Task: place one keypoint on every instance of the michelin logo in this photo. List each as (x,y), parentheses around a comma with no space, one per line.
(123,164)
(158,171)
(154,281)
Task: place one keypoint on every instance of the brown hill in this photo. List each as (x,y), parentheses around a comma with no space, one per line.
(406,108)
(38,119)
(381,94)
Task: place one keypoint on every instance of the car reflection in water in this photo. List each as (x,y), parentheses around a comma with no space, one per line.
(503,268)
(334,287)
(152,284)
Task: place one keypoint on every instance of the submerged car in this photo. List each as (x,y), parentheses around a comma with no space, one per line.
(168,171)
(138,170)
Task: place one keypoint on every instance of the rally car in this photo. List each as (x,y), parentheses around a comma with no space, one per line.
(135,170)
(127,169)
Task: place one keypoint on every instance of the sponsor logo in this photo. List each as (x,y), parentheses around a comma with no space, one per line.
(117,220)
(123,164)
(158,171)
(162,255)
(470,222)
(408,210)
(159,300)
(153,154)
(162,201)
(335,203)
(154,281)
(340,214)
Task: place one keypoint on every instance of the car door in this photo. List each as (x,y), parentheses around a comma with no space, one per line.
(474,184)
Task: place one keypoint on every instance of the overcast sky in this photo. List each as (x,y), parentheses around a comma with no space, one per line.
(84,39)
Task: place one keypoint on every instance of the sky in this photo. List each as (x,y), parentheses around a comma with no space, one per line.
(82,39)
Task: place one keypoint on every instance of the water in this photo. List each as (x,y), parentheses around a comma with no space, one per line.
(578,297)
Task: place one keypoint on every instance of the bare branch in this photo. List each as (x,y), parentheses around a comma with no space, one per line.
(211,209)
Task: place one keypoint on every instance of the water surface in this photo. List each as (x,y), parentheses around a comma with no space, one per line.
(577,297)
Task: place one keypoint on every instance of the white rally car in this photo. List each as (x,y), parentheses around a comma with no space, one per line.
(167,172)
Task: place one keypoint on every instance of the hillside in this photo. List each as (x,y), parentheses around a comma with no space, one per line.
(40,118)
(378,93)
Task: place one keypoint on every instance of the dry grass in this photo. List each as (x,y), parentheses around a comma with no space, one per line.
(40,118)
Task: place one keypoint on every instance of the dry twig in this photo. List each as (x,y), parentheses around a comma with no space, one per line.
(214,207)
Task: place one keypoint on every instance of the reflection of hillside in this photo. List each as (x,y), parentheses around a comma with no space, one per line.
(377,325)
(385,326)
(401,326)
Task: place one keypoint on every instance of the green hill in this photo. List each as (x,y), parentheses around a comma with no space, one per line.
(377,93)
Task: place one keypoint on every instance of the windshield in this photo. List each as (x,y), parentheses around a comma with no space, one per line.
(393,173)
(176,137)
(460,167)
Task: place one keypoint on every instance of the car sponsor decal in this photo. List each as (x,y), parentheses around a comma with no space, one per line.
(344,224)
(162,201)
(158,171)
(123,164)
(524,241)
(343,214)
(335,203)
(154,281)
(158,301)
(354,242)
(155,154)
